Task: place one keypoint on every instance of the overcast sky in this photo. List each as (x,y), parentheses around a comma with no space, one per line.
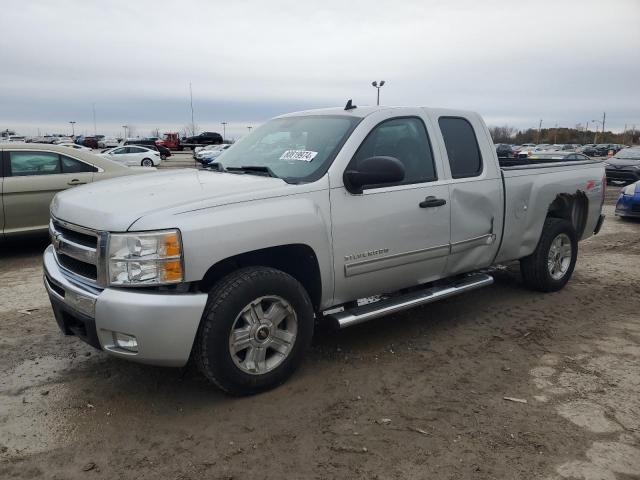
(515,62)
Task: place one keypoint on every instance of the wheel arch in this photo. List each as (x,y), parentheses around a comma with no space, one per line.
(298,260)
(571,207)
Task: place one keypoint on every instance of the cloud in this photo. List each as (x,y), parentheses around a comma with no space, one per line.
(248,60)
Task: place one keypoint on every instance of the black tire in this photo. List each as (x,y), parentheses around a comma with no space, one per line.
(146,162)
(163,157)
(535,269)
(227,299)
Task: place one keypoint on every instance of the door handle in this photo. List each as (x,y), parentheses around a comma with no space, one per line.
(75,181)
(432,202)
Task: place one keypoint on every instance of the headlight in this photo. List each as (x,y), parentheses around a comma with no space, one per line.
(149,258)
(630,189)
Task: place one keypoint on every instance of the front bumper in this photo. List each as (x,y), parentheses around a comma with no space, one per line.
(164,324)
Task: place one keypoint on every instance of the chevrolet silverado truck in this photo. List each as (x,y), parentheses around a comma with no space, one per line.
(341,215)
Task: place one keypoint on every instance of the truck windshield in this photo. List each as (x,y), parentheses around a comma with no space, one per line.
(296,149)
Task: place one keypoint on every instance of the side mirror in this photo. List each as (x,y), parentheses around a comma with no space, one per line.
(374,171)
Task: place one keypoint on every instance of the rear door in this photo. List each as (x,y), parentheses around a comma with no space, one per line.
(135,155)
(31,180)
(475,191)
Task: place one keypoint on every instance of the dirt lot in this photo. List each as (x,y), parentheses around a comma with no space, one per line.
(415,395)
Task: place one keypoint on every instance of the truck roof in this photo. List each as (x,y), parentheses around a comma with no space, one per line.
(364,111)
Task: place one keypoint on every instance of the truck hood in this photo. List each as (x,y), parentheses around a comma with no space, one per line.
(115,204)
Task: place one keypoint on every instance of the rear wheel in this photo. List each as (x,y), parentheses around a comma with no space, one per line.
(146,162)
(255,330)
(551,265)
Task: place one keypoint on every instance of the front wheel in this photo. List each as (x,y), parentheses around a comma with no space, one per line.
(255,330)
(146,162)
(550,266)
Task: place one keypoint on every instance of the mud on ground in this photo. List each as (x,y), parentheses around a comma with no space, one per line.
(415,395)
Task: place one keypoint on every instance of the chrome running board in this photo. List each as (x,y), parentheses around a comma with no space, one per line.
(364,313)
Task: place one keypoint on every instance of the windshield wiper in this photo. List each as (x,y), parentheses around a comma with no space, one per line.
(253,170)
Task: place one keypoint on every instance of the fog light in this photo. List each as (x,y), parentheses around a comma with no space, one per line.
(125,342)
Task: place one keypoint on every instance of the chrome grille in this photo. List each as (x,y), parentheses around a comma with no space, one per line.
(78,250)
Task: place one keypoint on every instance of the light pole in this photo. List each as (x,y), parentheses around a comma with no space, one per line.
(224,131)
(73,129)
(125,131)
(378,86)
(95,130)
(249,128)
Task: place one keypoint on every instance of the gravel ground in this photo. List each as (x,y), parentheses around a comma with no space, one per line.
(419,394)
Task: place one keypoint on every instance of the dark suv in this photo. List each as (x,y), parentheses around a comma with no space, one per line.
(204,138)
(504,150)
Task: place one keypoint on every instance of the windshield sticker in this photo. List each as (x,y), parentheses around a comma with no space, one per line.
(301,155)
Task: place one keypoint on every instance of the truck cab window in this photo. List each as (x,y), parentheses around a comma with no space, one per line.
(462,147)
(405,139)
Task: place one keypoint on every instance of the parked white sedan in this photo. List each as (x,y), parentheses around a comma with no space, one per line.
(132,155)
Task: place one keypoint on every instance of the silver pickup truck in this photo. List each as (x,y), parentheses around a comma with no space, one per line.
(341,215)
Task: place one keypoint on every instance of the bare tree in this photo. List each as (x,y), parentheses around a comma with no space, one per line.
(504,134)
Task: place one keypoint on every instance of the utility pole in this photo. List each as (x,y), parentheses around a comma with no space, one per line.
(125,132)
(95,130)
(378,86)
(224,131)
(193,125)
(595,135)
(604,117)
(586,132)
(555,134)
(539,128)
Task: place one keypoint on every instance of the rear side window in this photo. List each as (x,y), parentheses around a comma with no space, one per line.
(462,147)
(33,163)
(71,165)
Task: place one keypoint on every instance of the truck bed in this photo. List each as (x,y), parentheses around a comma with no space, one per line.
(531,188)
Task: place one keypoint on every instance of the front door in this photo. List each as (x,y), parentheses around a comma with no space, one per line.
(31,180)
(392,236)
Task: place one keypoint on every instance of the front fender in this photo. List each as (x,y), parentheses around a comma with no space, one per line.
(213,234)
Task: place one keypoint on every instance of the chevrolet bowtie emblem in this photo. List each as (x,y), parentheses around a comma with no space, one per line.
(56,241)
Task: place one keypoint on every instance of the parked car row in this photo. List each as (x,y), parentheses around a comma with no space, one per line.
(210,153)
(525,150)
